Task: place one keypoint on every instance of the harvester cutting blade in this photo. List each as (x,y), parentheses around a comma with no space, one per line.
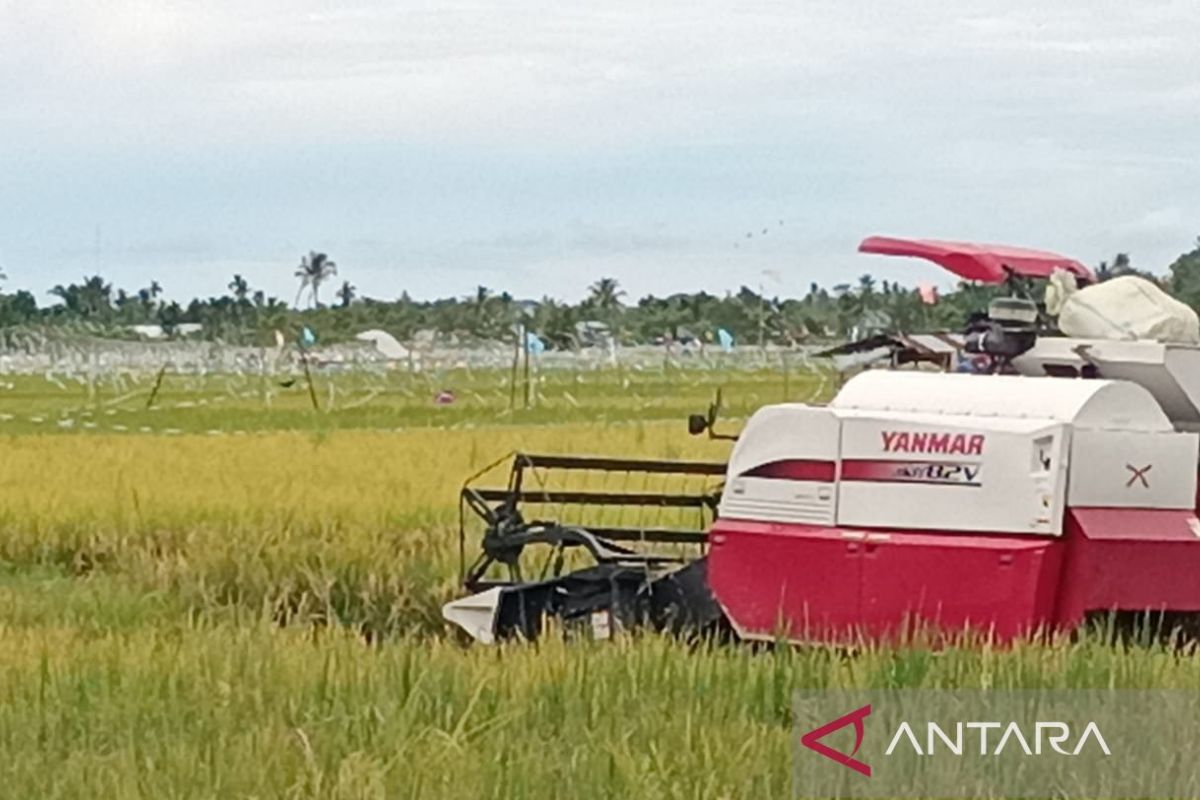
(475,614)
(598,600)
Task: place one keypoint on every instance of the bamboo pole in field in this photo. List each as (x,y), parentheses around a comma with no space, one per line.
(312,391)
(783,357)
(512,388)
(525,348)
(158,381)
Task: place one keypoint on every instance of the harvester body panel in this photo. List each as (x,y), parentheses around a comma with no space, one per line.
(836,584)
(954,473)
(783,468)
(1131,559)
(983,503)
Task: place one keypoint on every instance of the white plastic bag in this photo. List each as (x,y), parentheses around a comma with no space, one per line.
(1127,308)
(1060,285)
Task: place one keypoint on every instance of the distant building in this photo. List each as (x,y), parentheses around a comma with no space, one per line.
(591,333)
(158,332)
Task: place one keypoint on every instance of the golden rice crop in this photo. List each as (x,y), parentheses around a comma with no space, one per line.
(131,701)
(143,579)
(357,525)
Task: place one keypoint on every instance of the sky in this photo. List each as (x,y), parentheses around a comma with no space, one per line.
(434,147)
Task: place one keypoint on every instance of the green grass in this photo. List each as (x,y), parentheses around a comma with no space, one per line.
(395,399)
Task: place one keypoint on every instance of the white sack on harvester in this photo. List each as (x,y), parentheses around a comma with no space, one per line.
(1126,308)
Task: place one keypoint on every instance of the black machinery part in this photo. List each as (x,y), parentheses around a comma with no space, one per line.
(625,586)
(679,602)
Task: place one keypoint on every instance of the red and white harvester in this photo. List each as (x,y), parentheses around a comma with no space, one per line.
(1003,504)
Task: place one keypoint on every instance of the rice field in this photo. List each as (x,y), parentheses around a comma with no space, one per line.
(231,595)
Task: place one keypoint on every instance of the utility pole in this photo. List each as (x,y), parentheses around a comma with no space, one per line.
(512,384)
(525,347)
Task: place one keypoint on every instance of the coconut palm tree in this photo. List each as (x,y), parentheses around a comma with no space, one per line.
(347,293)
(92,298)
(315,268)
(481,319)
(605,294)
(240,287)
(70,297)
(98,294)
(866,292)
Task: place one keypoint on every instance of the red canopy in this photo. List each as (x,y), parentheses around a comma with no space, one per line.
(989,263)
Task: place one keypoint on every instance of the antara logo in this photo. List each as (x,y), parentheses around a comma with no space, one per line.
(958,739)
(1046,737)
(812,740)
(967,444)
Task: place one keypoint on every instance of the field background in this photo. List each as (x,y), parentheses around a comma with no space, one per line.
(229,594)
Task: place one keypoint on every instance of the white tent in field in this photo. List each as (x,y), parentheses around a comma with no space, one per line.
(385,344)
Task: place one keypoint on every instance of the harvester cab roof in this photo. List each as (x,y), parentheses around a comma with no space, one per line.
(1005,505)
(984,263)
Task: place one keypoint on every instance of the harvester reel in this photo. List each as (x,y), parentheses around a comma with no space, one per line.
(619,583)
(504,537)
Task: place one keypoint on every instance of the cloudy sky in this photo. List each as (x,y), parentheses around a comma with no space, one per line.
(435,146)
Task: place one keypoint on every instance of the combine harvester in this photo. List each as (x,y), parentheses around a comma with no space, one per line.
(1003,504)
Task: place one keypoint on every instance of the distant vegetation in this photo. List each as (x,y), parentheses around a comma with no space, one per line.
(243,314)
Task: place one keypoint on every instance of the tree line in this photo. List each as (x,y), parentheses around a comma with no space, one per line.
(242,314)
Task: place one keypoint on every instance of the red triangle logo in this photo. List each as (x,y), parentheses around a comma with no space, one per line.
(812,739)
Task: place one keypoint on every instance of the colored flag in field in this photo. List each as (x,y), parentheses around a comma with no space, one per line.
(307,337)
(533,344)
(725,338)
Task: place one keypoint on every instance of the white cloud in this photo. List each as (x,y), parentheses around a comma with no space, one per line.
(1067,125)
(602,75)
